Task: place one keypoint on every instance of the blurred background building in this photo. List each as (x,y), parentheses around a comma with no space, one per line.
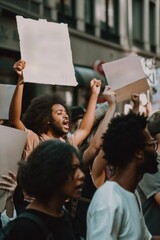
(100,31)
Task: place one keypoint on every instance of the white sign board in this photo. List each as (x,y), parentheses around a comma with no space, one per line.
(45,46)
(126,76)
(6,93)
(12,142)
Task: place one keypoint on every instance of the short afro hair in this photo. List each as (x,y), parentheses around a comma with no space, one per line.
(124,136)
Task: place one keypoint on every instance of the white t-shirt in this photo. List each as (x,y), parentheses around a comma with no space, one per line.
(115,213)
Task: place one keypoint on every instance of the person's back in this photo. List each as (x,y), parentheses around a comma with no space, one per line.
(119,208)
(58,227)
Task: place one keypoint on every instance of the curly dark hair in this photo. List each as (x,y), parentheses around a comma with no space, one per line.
(38,113)
(154,123)
(47,168)
(124,136)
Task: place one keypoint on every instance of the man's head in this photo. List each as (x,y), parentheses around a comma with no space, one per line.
(128,139)
(154,124)
(52,169)
(39,116)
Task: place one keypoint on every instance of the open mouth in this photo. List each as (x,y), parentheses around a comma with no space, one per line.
(80,187)
(66,124)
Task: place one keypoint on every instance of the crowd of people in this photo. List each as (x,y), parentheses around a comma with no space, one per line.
(99,180)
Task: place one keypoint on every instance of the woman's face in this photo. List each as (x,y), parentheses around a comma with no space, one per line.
(73,187)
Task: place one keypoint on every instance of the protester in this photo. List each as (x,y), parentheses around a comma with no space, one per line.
(99,115)
(50,175)
(88,156)
(47,116)
(96,142)
(100,169)
(115,211)
(149,187)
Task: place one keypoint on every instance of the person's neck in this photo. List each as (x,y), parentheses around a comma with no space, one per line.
(127,178)
(52,135)
(53,208)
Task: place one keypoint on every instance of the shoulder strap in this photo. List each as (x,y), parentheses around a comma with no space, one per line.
(40,222)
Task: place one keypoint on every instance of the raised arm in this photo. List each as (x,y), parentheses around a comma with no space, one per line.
(87,122)
(98,172)
(16,102)
(135,97)
(96,142)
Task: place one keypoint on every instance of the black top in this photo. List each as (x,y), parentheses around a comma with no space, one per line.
(24,228)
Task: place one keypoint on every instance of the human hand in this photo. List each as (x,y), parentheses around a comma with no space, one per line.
(95,86)
(8,183)
(109,95)
(19,66)
(135,97)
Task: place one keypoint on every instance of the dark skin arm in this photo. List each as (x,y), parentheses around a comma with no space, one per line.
(16,102)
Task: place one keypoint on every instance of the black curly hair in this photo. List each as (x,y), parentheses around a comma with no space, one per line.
(47,168)
(38,113)
(124,136)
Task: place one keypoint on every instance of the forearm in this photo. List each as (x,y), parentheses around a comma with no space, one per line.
(88,119)
(155,238)
(136,108)
(98,169)
(100,112)
(10,207)
(136,102)
(97,139)
(16,104)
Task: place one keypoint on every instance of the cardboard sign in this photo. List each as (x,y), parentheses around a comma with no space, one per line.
(45,46)
(12,142)
(6,93)
(125,76)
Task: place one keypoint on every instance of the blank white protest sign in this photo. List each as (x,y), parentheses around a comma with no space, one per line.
(126,76)
(6,93)
(45,46)
(12,142)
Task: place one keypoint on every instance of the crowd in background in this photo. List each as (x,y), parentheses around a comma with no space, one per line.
(85,173)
